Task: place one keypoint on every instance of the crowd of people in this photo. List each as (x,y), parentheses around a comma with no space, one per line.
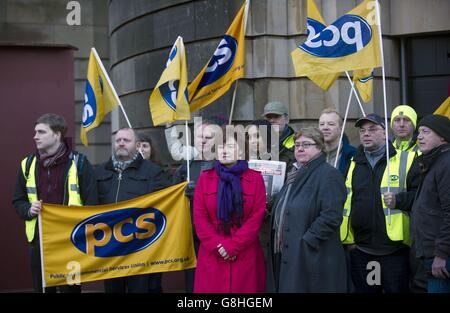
(341,208)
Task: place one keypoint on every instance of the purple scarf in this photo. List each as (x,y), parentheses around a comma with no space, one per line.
(229,193)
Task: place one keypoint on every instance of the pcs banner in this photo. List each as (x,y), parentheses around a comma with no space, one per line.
(148,234)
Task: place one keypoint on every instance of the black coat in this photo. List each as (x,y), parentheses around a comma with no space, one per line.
(367,215)
(431,210)
(139,178)
(313,258)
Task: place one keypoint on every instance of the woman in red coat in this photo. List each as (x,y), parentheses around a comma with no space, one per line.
(229,205)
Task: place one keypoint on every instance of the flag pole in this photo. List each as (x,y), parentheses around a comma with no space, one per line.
(42,250)
(99,61)
(343,129)
(232,101)
(187,152)
(247,4)
(352,84)
(377,8)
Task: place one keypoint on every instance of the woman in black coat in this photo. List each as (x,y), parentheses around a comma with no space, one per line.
(306,251)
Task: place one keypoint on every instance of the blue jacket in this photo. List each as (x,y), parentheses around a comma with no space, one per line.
(348,151)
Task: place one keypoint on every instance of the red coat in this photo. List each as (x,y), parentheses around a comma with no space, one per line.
(248,272)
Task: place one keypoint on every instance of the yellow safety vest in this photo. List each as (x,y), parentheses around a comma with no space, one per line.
(289,142)
(72,187)
(397,224)
(403,146)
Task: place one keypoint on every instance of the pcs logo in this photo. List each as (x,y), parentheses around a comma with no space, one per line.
(346,36)
(119,232)
(90,106)
(169,92)
(221,61)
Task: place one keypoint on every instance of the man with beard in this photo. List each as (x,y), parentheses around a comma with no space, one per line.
(126,176)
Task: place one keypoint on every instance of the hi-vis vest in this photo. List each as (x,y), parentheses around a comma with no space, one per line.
(72,187)
(289,142)
(397,224)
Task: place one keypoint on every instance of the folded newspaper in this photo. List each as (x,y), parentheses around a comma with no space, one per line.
(273,173)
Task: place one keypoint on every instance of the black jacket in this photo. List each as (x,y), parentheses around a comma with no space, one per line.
(431,210)
(86,181)
(139,178)
(367,216)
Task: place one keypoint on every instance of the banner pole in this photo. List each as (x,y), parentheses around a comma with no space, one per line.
(352,84)
(343,128)
(377,8)
(41,250)
(187,153)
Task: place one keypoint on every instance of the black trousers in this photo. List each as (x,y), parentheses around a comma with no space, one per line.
(394,271)
(36,274)
(147,283)
(189,275)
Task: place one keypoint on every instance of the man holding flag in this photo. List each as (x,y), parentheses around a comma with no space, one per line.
(53,174)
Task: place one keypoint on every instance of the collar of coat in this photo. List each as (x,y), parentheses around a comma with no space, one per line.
(247,175)
(135,164)
(427,160)
(360,156)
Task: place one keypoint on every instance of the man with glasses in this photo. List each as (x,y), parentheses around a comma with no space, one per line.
(375,226)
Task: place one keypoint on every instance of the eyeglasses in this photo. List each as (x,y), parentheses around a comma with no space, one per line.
(304,145)
(370,130)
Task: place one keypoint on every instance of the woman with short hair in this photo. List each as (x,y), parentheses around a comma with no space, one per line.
(306,251)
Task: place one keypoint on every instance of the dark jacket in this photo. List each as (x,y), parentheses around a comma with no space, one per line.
(313,258)
(348,151)
(367,216)
(286,154)
(139,178)
(431,210)
(86,180)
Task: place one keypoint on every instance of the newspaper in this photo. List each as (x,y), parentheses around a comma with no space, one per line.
(273,173)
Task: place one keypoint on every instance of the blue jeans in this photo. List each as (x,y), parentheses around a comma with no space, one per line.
(437,285)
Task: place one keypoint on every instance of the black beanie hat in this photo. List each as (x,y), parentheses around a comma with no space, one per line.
(440,124)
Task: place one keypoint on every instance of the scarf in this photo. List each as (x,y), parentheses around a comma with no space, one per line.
(50,160)
(229,193)
(120,166)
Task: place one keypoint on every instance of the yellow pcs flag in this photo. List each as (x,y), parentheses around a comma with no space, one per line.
(225,66)
(99,98)
(444,108)
(167,103)
(148,234)
(315,24)
(363,80)
(350,43)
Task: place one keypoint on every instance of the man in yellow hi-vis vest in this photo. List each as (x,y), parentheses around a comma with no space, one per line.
(403,124)
(375,223)
(53,174)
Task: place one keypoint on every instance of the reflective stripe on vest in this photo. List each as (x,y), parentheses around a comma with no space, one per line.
(397,221)
(72,187)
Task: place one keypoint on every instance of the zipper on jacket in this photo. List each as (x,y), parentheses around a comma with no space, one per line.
(119,179)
